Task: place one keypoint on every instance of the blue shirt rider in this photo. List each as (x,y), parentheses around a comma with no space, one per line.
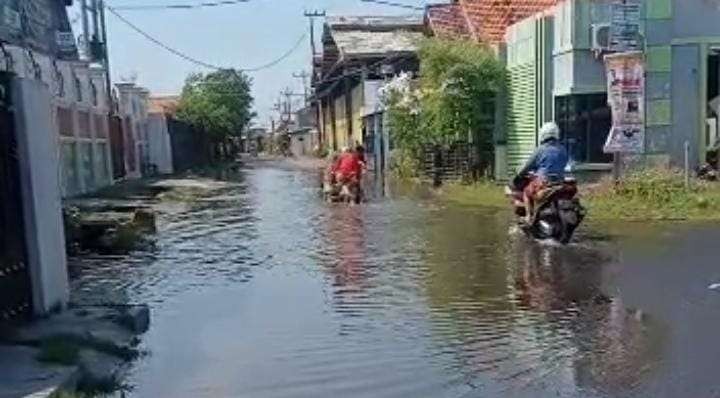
(548,164)
(549,159)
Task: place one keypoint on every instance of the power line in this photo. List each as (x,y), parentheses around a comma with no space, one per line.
(395,4)
(161,44)
(197,61)
(180,6)
(280,59)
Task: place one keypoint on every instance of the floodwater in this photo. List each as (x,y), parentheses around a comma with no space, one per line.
(261,290)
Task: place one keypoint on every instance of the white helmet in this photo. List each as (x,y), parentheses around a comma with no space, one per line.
(549,131)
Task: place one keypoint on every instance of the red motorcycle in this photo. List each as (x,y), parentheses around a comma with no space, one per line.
(558,212)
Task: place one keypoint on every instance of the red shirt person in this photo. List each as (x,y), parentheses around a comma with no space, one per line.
(349,167)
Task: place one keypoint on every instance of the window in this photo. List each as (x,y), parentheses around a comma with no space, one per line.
(584,122)
(87,172)
(101,164)
(71,184)
(65,122)
(94,93)
(83,124)
(78,89)
(100,126)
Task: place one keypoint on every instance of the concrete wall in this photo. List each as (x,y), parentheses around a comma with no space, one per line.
(691,18)
(576,69)
(678,35)
(77,89)
(341,125)
(159,149)
(39,162)
(302,144)
(357,112)
(133,108)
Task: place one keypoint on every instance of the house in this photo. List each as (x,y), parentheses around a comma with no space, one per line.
(359,53)
(554,53)
(303,132)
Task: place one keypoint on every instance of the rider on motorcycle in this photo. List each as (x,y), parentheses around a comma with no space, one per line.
(546,166)
(349,167)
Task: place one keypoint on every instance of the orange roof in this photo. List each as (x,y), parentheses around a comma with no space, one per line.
(166,104)
(487,20)
(448,20)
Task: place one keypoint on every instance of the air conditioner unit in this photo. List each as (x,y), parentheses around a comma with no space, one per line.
(600,35)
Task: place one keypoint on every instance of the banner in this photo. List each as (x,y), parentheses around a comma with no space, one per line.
(626,97)
(40,25)
(625,25)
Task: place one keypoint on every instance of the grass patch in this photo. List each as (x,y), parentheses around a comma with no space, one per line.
(644,195)
(653,194)
(484,193)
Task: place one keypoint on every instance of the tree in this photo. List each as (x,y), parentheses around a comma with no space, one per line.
(454,97)
(218,103)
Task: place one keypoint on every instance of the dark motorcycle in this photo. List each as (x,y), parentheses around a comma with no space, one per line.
(558,211)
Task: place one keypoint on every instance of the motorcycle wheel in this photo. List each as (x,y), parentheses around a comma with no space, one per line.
(548,228)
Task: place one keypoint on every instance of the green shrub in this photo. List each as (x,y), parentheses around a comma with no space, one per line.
(453,98)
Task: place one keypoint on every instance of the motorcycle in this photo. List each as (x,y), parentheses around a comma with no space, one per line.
(558,211)
(346,192)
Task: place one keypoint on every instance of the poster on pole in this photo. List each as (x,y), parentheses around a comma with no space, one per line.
(626,97)
(625,25)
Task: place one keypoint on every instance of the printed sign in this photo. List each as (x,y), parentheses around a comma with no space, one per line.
(625,25)
(626,97)
(40,25)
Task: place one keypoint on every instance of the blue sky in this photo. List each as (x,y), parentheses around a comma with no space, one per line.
(243,36)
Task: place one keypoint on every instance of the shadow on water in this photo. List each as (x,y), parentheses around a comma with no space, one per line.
(262,290)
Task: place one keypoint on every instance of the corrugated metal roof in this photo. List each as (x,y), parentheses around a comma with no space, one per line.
(360,43)
(379,22)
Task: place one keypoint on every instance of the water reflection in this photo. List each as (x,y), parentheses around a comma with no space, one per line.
(346,232)
(523,318)
(614,348)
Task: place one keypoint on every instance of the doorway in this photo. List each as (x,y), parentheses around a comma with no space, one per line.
(15,288)
(712,122)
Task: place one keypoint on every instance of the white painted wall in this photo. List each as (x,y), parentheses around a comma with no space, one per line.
(302,144)
(39,162)
(133,107)
(159,148)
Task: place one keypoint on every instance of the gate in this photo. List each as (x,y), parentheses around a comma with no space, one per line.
(117,147)
(15,291)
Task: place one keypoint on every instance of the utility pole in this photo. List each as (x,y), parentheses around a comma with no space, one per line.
(288,103)
(311,15)
(104,52)
(95,6)
(304,76)
(85,29)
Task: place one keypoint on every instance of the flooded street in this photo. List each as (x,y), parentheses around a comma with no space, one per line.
(261,290)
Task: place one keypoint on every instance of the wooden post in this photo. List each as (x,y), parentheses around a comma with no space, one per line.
(687,165)
(617,167)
